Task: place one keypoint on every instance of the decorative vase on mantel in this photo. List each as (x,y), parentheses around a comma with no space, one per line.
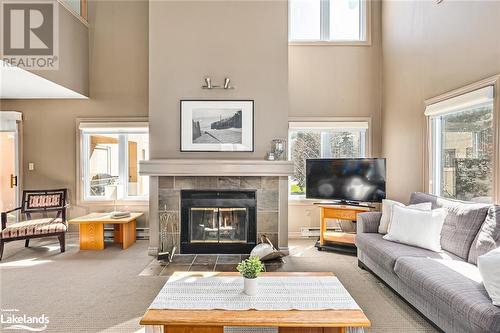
(250,270)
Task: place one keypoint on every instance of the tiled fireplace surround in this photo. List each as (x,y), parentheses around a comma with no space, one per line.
(167,177)
(169,189)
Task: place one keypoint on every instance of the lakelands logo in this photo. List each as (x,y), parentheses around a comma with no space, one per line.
(30,34)
(13,319)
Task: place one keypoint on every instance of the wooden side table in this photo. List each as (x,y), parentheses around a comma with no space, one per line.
(335,240)
(92,230)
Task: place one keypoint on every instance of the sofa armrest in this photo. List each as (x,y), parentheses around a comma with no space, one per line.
(368,222)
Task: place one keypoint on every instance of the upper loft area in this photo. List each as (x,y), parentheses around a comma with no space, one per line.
(54,61)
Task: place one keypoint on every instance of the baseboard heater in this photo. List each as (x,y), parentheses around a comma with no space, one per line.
(314,231)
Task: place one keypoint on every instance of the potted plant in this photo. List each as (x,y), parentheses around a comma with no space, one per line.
(250,269)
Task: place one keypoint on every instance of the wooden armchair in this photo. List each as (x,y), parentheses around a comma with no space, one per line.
(37,201)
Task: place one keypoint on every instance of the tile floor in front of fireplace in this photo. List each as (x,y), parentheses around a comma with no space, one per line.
(203,263)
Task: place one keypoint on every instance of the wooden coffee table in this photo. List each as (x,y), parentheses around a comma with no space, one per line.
(92,230)
(292,321)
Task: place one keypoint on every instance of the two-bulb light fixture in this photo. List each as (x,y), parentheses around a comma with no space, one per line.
(209,85)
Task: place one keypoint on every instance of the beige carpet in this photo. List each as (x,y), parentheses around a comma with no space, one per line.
(108,291)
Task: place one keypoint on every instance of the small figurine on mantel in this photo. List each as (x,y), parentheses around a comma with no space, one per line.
(278,149)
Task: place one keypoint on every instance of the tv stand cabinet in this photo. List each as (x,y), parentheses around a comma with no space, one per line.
(335,240)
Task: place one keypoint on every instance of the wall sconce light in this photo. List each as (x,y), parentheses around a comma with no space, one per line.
(208,84)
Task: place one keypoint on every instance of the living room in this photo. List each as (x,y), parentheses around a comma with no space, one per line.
(175,139)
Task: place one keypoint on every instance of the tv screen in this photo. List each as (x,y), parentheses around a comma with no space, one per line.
(356,179)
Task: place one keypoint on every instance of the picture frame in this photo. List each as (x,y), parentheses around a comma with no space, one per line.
(217,126)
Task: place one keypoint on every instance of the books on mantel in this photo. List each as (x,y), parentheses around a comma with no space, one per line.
(119,215)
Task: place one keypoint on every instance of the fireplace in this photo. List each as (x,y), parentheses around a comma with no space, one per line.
(222,221)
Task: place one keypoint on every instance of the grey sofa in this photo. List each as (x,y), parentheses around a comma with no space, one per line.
(445,287)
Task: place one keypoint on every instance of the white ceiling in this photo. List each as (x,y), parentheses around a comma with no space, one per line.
(17,83)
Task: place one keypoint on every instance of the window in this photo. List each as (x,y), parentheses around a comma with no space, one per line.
(462,145)
(110,153)
(328,20)
(79,7)
(322,140)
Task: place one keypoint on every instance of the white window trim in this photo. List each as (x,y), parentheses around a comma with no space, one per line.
(316,122)
(106,124)
(480,90)
(366,30)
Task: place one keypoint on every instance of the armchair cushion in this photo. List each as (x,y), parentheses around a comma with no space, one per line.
(34,227)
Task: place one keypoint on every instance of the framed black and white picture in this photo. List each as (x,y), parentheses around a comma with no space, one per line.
(217,125)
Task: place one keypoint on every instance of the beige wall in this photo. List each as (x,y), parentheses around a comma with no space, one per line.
(245,40)
(118,88)
(73,69)
(429,49)
(336,81)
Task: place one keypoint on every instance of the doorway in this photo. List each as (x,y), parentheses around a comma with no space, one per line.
(10,155)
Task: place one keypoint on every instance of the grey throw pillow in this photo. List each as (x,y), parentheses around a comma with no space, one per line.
(488,238)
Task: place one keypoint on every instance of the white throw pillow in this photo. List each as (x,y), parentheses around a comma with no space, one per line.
(387,205)
(489,268)
(417,227)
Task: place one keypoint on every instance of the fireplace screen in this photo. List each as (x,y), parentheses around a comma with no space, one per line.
(219,225)
(222,221)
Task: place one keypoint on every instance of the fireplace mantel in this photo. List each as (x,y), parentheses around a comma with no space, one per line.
(212,167)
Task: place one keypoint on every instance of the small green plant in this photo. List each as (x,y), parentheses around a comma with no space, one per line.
(250,268)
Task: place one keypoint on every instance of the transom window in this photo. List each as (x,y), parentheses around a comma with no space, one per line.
(110,154)
(462,146)
(322,140)
(328,20)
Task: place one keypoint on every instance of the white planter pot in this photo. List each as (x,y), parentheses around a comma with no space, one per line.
(250,286)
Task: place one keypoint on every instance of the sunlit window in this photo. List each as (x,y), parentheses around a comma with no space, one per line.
(327,20)
(322,140)
(110,156)
(462,144)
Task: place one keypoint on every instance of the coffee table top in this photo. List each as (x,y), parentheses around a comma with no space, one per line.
(274,318)
(104,218)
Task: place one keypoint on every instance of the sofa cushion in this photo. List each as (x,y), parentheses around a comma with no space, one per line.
(488,238)
(385,253)
(387,209)
(461,225)
(417,227)
(489,267)
(34,227)
(454,287)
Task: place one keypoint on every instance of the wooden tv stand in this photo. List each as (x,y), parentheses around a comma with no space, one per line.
(335,240)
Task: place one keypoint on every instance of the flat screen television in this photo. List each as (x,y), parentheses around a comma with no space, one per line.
(346,179)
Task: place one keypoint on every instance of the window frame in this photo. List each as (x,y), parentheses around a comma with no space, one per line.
(365,29)
(82,165)
(430,140)
(301,199)
(82,15)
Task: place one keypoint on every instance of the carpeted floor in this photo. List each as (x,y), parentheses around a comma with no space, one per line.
(108,291)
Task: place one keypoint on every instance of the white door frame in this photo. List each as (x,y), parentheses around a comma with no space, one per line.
(11,121)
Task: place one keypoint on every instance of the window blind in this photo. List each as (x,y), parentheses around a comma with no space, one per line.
(329,124)
(474,98)
(114,127)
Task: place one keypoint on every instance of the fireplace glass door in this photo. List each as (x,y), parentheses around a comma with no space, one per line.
(218,225)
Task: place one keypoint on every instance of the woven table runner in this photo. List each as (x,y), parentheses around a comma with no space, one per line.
(274,293)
